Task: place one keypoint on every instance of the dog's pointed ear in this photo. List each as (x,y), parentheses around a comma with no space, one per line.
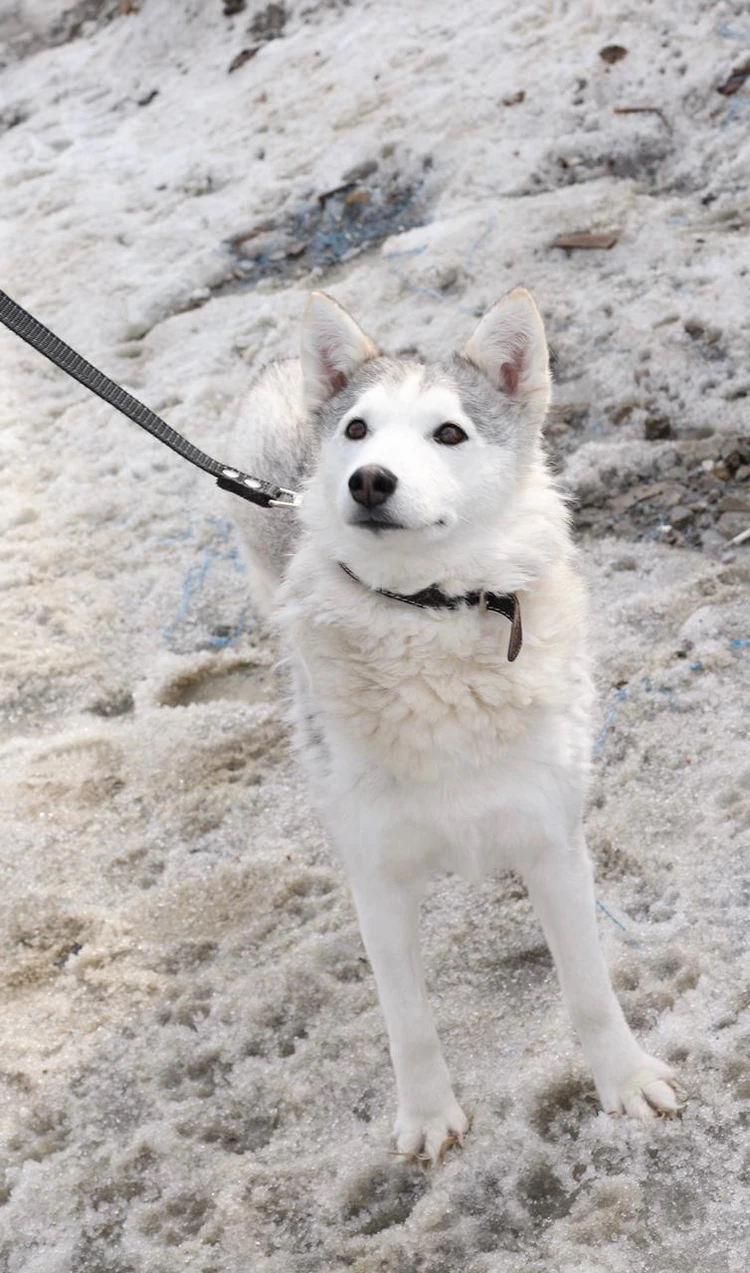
(509,346)
(333,347)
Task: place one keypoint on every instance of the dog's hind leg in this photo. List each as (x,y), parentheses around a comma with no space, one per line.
(429,1118)
(627,1079)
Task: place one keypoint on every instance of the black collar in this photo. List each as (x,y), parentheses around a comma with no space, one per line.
(434,598)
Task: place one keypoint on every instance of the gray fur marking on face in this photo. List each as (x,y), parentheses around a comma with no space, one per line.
(377,371)
(495,416)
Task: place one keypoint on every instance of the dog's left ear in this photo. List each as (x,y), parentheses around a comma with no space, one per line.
(509,346)
(333,347)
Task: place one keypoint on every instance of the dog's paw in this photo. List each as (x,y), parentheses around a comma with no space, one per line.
(425,1138)
(647,1089)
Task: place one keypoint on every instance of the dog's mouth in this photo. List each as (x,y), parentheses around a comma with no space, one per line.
(373,524)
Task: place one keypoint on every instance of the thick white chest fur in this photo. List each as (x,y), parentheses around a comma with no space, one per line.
(421,714)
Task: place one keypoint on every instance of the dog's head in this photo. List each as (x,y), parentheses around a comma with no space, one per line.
(420,464)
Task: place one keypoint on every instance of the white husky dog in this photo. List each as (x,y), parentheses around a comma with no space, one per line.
(433,618)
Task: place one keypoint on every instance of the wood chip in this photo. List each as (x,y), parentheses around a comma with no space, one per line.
(656,428)
(612,53)
(242,57)
(344,188)
(238,241)
(733,504)
(636,495)
(736,80)
(586,239)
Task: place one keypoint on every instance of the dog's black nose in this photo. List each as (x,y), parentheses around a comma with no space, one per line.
(372,485)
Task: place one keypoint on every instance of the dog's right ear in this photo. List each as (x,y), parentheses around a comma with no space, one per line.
(333,347)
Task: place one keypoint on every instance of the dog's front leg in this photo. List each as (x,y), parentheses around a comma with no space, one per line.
(429,1117)
(627,1078)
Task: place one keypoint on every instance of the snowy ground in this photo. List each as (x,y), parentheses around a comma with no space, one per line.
(194,1072)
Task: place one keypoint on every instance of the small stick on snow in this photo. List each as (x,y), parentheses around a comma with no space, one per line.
(740,539)
(645,110)
(586,239)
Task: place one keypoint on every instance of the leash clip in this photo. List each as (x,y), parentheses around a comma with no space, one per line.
(287,499)
(254,489)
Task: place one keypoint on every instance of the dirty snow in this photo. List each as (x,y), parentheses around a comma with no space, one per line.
(194,1072)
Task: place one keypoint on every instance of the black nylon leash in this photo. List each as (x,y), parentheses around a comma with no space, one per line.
(505,603)
(254,489)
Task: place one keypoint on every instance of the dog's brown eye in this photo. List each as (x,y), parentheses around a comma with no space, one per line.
(449,435)
(355,430)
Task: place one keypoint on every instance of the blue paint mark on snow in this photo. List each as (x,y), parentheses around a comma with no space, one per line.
(620,696)
(632,941)
(727,32)
(213,557)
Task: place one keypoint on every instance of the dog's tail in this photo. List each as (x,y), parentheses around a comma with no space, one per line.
(274,439)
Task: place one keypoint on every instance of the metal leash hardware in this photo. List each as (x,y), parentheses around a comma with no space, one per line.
(254,489)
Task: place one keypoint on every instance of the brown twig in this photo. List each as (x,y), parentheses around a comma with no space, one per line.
(242,57)
(645,110)
(586,239)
